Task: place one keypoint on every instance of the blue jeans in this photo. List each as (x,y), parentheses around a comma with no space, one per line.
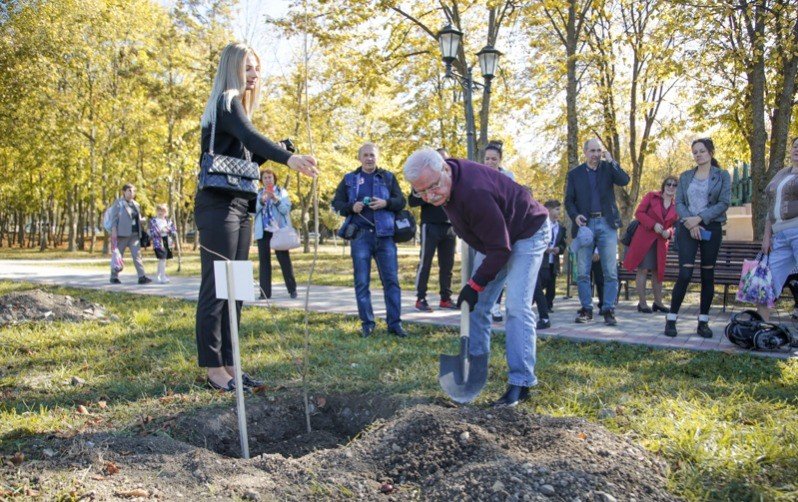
(783,257)
(606,240)
(365,246)
(520,274)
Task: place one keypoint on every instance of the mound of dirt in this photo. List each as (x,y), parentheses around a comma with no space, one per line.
(423,452)
(39,305)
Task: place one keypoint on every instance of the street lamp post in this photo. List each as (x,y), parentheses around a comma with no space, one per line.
(449,39)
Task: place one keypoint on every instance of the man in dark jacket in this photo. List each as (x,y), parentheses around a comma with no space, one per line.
(370,197)
(550,269)
(436,234)
(509,230)
(590,201)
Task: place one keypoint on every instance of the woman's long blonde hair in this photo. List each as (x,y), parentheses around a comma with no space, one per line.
(231,81)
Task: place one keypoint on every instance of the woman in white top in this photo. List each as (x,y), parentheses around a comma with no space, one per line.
(781,227)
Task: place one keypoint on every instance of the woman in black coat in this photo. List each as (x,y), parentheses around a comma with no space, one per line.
(223,220)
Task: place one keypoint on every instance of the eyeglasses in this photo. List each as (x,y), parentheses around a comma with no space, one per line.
(430,189)
(671,184)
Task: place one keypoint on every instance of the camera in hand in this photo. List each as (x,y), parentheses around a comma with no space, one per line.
(289,145)
(366,201)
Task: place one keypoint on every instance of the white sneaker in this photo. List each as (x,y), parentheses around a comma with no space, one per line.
(496,313)
(163,280)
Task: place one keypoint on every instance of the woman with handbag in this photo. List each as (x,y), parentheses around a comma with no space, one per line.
(226,194)
(702,198)
(648,250)
(781,227)
(272,213)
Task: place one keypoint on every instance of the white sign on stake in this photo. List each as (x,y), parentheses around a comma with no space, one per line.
(242,275)
(236,276)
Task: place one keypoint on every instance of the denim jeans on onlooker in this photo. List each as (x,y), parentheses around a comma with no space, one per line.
(783,257)
(520,274)
(365,246)
(606,239)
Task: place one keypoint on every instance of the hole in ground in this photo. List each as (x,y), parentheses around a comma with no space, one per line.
(276,424)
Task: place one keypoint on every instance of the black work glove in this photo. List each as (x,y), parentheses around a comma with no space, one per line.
(468,295)
(288,145)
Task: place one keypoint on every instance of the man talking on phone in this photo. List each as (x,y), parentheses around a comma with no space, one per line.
(590,202)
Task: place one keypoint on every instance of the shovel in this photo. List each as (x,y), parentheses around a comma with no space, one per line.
(462,376)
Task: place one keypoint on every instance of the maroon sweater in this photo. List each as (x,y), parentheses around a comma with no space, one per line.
(490,212)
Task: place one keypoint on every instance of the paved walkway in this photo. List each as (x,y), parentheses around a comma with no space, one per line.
(633,327)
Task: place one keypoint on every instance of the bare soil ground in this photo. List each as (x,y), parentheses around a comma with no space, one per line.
(38,305)
(366,447)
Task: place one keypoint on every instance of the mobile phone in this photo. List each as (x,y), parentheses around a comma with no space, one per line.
(366,201)
(705,234)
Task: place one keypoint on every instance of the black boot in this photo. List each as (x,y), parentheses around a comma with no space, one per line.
(670,328)
(703,330)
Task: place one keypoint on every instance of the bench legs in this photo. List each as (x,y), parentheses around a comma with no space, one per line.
(725,292)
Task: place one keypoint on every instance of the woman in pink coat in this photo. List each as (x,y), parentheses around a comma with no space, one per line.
(649,247)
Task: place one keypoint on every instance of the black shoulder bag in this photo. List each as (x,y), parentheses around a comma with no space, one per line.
(631,228)
(404,226)
(235,176)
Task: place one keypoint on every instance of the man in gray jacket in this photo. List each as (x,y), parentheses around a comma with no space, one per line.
(126,229)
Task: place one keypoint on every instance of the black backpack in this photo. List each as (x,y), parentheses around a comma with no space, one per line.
(748,330)
(404,226)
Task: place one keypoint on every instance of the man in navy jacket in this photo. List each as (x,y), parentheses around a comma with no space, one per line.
(370,197)
(590,201)
(510,232)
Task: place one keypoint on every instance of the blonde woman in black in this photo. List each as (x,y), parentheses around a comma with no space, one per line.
(223,219)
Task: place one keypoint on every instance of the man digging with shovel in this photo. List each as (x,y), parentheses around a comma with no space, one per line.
(510,231)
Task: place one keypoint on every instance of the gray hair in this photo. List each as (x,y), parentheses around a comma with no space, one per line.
(587,143)
(368,144)
(420,160)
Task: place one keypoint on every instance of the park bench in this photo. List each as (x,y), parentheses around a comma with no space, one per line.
(727,268)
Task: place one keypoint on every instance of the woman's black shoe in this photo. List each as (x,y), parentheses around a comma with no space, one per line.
(703,330)
(644,310)
(659,308)
(670,329)
(248,381)
(231,385)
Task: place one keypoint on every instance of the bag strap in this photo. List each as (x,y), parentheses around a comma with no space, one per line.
(247,155)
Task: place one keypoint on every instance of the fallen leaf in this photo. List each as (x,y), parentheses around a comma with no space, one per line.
(30,492)
(18,458)
(259,388)
(582,436)
(321,401)
(146,419)
(134,493)
(102,404)
(97,477)
(111,468)
(82,410)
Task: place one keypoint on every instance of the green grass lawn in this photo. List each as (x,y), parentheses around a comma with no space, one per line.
(726,424)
